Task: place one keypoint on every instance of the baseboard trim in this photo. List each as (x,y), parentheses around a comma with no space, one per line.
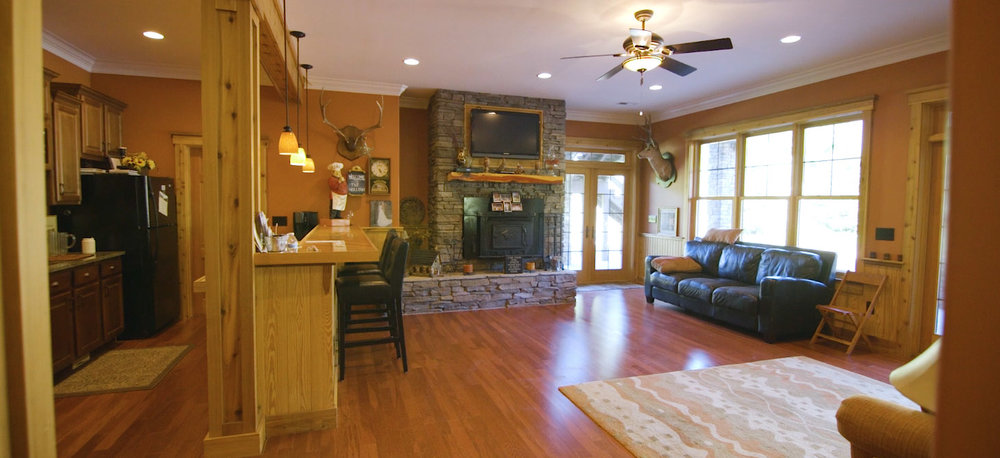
(291,423)
(246,444)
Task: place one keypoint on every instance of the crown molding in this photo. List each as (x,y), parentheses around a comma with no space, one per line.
(420,103)
(906,51)
(181,72)
(601,116)
(363,87)
(56,45)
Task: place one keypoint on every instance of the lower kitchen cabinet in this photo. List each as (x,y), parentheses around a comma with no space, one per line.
(85,308)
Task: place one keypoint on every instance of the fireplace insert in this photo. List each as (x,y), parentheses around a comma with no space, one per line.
(492,234)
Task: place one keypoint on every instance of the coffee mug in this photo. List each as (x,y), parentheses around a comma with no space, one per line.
(88,246)
(60,242)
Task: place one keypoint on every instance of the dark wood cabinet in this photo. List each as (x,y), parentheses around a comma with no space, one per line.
(64,178)
(85,309)
(61,317)
(87,318)
(100,120)
(111,298)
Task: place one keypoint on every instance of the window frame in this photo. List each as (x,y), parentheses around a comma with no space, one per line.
(797,122)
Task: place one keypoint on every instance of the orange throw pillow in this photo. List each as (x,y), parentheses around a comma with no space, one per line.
(729,236)
(673,264)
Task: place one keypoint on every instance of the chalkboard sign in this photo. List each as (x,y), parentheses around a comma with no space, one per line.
(512,265)
(356,182)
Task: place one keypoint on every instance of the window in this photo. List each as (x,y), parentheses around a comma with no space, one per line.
(793,181)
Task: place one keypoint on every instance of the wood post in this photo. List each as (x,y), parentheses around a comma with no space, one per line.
(231,137)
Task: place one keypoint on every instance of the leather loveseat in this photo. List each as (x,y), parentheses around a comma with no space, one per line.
(771,290)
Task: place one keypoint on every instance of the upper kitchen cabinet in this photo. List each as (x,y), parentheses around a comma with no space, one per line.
(64,161)
(100,120)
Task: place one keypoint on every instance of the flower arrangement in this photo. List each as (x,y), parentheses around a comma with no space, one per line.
(138,161)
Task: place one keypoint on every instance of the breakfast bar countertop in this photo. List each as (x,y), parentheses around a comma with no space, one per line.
(56,266)
(325,245)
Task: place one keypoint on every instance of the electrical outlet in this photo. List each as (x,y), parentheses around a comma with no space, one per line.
(652,218)
(279,220)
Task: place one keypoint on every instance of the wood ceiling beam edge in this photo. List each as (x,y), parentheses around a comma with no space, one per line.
(272,50)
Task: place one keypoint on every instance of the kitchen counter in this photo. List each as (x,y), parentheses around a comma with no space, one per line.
(325,245)
(97,257)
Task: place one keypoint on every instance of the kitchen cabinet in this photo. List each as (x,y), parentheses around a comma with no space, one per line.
(101,120)
(49,75)
(85,307)
(64,176)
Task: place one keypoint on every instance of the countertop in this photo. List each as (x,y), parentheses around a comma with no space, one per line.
(325,245)
(98,257)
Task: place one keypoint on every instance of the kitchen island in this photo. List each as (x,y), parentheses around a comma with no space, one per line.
(295,327)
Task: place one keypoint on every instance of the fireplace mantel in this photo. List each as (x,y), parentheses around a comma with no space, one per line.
(505,178)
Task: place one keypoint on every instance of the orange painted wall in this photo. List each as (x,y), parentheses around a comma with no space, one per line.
(603,130)
(967,419)
(414,147)
(889,140)
(68,72)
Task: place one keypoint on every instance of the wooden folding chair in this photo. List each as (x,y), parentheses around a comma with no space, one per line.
(852,304)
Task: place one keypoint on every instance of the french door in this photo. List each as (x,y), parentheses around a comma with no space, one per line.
(597,223)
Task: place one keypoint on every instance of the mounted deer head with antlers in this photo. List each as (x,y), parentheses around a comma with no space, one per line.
(352,143)
(662,163)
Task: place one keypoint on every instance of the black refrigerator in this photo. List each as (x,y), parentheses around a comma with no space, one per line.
(137,215)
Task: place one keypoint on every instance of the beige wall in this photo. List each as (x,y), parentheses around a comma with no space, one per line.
(889,140)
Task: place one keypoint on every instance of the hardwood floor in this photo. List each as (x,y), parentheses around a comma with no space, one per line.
(481,383)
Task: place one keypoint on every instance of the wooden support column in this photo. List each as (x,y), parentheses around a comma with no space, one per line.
(27,418)
(230,94)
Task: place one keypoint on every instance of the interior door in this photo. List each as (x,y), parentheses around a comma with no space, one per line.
(597,220)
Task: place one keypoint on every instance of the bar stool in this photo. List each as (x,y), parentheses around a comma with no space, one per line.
(369,303)
(357,268)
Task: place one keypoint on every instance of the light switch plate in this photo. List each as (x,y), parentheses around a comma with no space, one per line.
(652,218)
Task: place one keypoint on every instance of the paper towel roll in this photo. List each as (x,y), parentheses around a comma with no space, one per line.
(88,246)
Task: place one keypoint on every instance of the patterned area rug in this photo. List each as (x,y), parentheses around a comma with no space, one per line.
(774,408)
(122,370)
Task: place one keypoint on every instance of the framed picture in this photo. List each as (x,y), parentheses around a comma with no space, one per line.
(496,197)
(515,197)
(668,221)
(381,213)
(496,206)
(506,207)
(516,207)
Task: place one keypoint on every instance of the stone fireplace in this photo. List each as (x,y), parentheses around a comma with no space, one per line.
(447,198)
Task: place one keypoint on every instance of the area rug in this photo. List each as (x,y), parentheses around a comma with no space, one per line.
(773,408)
(122,370)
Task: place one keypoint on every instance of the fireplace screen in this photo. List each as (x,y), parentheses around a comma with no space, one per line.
(489,233)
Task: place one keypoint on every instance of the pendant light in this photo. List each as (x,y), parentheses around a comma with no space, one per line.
(310,165)
(299,158)
(287,143)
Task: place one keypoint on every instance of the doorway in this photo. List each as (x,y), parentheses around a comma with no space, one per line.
(598,233)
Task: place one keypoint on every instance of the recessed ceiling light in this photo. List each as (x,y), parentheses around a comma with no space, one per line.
(655,87)
(153,35)
(544,75)
(411,61)
(791,39)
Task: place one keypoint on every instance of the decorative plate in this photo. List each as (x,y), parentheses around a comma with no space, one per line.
(411,211)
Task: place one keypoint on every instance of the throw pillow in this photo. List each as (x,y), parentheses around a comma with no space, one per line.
(674,264)
(729,236)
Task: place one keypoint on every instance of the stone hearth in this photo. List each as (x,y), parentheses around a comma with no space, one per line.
(487,291)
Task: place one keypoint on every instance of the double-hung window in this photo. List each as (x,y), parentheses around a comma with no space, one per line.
(792,180)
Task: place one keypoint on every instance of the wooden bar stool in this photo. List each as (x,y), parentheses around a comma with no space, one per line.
(372,303)
(852,304)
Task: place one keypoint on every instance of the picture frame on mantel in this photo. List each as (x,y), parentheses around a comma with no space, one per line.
(667,221)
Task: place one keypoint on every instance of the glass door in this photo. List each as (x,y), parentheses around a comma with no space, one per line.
(596,224)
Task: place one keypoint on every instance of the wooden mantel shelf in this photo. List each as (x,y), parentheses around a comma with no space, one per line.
(505,178)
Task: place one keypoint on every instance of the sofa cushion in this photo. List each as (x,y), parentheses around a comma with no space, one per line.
(705,253)
(784,263)
(729,236)
(740,298)
(740,263)
(671,264)
(669,281)
(702,288)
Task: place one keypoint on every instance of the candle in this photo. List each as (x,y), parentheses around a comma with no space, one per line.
(529,266)
(467,269)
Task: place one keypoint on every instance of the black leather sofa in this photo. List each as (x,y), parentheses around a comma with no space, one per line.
(771,290)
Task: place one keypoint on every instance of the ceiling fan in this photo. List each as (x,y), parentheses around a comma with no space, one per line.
(644,51)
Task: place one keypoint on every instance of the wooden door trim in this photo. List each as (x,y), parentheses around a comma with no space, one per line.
(183,145)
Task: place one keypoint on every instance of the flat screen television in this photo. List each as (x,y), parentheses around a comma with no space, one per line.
(504,133)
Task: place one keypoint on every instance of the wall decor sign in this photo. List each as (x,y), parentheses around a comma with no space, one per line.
(512,265)
(356,182)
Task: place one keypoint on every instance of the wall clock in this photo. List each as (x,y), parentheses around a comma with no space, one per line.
(378,168)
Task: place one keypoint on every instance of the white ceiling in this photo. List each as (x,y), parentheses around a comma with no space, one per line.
(499,46)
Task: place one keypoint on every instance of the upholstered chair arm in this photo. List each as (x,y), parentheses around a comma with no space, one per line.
(876,428)
(647,286)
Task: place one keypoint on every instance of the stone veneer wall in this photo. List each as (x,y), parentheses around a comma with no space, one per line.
(447,126)
(489,291)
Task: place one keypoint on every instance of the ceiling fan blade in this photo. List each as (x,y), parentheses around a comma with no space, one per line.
(699,46)
(610,73)
(676,66)
(641,38)
(595,55)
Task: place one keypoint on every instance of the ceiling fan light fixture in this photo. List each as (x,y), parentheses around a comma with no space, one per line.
(642,63)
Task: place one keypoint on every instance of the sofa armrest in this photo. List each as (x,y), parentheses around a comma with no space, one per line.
(788,306)
(878,428)
(646,285)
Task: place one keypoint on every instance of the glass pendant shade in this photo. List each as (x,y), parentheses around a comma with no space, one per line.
(287,143)
(299,158)
(642,63)
(309,166)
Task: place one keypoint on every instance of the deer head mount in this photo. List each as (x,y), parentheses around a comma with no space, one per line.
(352,143)
(662,163)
